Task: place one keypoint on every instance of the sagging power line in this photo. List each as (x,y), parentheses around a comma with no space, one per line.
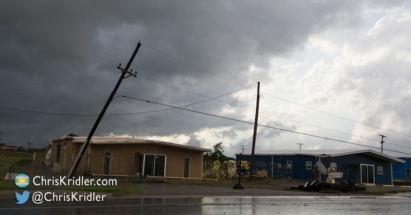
(214,98)
(266,126)
(265,113)
(116,114)
(229,80)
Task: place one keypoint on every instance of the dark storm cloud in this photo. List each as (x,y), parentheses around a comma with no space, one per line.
(45,43)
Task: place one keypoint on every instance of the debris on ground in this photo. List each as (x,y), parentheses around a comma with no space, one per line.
(317,185)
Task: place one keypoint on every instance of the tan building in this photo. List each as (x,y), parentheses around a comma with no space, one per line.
(125,156)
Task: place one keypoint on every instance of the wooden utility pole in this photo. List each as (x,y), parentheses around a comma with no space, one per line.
(300,144)
(87,141)
(382,141)
(255,132)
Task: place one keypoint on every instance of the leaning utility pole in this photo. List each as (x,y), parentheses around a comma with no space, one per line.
(382,141)
(255,132)
(87,141)
(300,144)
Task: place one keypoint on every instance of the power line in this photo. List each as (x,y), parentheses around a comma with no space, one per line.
(154,111)
(46,113)
(251,123)
(399,145)
(265,113)
(170,85)
(194,66)
(116,114)
(144,112)
(337,116)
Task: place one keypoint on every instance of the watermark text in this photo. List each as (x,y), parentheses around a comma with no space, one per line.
(39,197)
(79,181)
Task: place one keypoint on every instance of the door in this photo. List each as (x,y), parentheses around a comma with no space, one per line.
(159,165)
(186,167)
(149,165)
(106,165)
(367,174)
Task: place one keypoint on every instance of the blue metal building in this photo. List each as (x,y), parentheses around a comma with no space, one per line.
(361,166)
(401,171)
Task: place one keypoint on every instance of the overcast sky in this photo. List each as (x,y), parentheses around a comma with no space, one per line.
(333,69)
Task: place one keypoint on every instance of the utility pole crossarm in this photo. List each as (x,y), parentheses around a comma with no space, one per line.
(130,73)
(87,141)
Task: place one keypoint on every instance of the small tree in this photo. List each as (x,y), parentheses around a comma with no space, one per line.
(218,152)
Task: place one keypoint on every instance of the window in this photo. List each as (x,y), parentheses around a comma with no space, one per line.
(333,165)
(308,165)
(290,164)
(380,170)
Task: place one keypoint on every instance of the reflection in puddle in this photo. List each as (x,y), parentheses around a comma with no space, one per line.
(395,204)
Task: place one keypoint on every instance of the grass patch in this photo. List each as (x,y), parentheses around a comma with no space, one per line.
(21,161)
(7,185)
(9,158)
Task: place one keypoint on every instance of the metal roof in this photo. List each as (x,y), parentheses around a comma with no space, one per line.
(330,153)
(128,140)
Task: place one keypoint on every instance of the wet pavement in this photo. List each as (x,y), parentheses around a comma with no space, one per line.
(393,204)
